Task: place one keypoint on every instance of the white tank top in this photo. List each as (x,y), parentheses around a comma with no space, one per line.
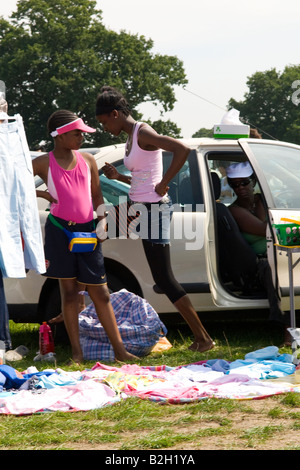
(146,170)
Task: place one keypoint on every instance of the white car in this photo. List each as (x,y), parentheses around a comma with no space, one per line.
(197,251)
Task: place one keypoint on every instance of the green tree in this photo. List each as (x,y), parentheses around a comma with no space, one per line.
(57,54)
(166,128)
(269,104)
(203,132)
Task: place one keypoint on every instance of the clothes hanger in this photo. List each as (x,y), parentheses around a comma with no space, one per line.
(3,109)
(5,117)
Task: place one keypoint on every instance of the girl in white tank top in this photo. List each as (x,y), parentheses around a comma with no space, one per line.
(144,159)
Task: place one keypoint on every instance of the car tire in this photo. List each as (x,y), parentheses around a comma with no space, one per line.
(114,284)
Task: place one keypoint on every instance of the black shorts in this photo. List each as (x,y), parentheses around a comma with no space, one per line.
(86,268)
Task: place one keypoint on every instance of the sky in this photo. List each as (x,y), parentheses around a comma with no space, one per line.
(220,42)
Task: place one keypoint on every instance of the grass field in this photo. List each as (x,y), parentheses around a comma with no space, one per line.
(131,425)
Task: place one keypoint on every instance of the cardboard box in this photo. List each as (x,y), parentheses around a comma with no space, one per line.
(230,131)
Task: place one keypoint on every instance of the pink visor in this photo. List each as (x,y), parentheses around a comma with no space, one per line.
(71,126)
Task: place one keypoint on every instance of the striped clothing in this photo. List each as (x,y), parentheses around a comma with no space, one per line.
(138,323)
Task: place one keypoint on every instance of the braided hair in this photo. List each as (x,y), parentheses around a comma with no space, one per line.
(109,99)
(60,118)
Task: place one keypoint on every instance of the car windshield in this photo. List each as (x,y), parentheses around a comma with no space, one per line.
(281,167)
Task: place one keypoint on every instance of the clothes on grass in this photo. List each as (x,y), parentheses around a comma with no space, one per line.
(83,396)
(59,390)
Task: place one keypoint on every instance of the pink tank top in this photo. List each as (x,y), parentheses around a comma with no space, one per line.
(71,189)
(146,170)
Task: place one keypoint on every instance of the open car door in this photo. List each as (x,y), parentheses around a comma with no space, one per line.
(277,167)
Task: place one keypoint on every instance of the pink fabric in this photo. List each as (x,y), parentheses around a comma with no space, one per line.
(87,395)
(71,189)
(146,170)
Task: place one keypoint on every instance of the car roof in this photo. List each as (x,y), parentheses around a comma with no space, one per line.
(194,142)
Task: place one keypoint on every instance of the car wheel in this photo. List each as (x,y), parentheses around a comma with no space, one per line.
(114,284)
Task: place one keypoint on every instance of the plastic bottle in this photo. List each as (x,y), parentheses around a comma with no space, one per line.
(46,339)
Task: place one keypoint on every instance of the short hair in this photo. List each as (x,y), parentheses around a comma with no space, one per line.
(109,99)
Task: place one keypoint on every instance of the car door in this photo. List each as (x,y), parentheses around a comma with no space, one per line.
(188,247)
(223,244)
(277,166)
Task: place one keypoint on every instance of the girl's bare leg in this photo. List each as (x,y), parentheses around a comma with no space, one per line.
(69,299)
(203,341)
(101,299)
(59,318)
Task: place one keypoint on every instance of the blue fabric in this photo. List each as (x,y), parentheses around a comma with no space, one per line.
(265,363)
(2,381)
(219,365)
(13,378)
(270,352)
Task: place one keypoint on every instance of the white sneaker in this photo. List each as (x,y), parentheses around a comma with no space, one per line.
(49,357)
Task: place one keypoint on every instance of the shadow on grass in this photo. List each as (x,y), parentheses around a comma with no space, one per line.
(233,338)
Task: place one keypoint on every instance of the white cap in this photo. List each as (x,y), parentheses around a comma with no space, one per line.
(239,170)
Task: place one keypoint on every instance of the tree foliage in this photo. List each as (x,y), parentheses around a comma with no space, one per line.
(271,103)
(203,132)
(57,54)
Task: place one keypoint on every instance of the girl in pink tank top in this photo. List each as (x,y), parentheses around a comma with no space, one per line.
(74,191)
(148,185)
(71,189)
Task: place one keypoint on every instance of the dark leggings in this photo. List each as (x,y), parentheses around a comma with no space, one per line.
(159,260)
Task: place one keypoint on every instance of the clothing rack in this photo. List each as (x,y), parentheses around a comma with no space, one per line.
(5,117)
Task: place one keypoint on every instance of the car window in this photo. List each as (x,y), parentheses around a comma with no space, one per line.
(227,195)
(218,163)
(113,189)
(185,187)
(281,168)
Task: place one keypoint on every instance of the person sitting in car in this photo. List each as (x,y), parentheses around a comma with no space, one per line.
(250,214)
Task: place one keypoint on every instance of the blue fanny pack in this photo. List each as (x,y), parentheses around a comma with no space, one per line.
(79,242)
